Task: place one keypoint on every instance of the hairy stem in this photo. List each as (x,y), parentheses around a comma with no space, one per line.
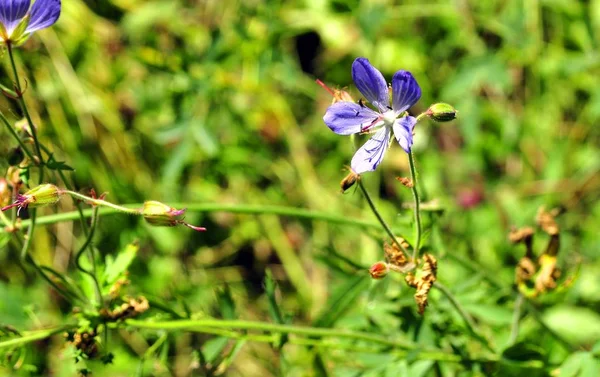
(101,203)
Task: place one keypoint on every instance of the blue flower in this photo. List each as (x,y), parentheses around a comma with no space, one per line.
(347,118)
(18,20)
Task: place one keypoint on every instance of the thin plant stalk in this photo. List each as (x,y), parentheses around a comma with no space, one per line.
(101,202)
(12,131)
(26,111)
(415,191)
(241,209)
(514,330)
(82,249)
(381,220)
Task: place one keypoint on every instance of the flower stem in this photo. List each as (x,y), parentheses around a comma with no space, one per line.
(82,249)
(191,325)
(242,209)
(16,136)
(101,203)
(381,220)
(69,187)
(26,112)
(415,191)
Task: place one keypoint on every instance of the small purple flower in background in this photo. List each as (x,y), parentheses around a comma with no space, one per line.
(18,19)
(347,118)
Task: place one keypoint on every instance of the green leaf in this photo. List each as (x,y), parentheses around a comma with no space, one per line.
(342,300)
(115,269)
(576,324)
(52,164)
(226,303)
(572,365)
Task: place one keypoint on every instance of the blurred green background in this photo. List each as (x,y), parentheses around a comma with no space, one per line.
(215,102)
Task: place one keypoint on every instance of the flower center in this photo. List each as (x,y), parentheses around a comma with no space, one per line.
(389,117)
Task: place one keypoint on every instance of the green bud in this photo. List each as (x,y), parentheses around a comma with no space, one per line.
(160,214)
(42,195)
(442,112)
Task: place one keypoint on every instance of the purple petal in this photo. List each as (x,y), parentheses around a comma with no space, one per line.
(347,118)
(405,91)
(370,83)
(370,155)
(44,13)
(403,130)
(11,12)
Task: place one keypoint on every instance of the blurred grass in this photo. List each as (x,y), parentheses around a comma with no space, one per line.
(215,102)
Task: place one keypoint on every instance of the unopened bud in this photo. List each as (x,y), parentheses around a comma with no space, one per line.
(379,270)
(442,112)
(160,214)
(42,195)
(349,181)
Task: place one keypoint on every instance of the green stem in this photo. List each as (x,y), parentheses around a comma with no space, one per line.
(101,203)
(79,254)
(26,111)
(514,331)
(463,313)
(415,191)
(381,220)
(191,325)
(68,295)
(29,235)
(242,209)
(16,136)
(69,187)
(32,336)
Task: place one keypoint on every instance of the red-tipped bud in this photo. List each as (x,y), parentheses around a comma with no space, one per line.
(159,214)
(39,196)
(379,270)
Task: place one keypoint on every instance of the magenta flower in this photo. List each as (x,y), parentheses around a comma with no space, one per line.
(18,19)
(347,118)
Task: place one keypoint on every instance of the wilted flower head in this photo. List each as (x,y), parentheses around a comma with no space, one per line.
(39,196)
(347,118)
(18,18)
(159,214)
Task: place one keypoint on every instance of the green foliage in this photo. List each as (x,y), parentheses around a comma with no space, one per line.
(212,105)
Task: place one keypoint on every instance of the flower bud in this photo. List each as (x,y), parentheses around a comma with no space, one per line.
(39,196)
(159,214)
(42,195)
(379,270)
(442,112)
